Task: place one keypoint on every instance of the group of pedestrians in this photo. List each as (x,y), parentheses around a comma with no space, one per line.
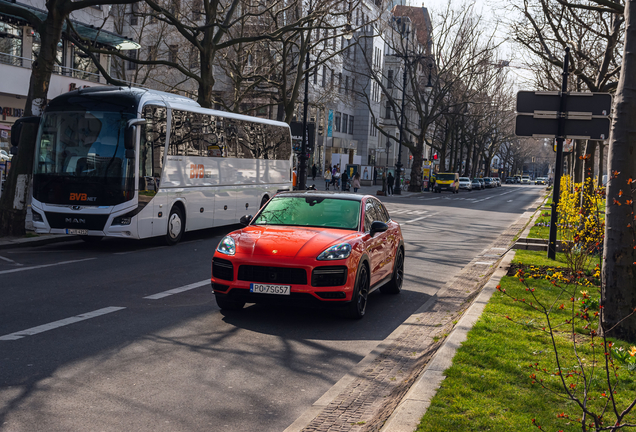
(333,178)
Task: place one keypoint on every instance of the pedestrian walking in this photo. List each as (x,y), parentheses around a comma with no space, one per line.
(356,182)
(314,171)
(345,179)
(389,182)
(327,175)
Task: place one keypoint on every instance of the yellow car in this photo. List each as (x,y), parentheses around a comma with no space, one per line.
(446,181)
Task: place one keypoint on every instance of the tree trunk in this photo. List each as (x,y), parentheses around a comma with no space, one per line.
(618,295)
(416,169)
(13,203)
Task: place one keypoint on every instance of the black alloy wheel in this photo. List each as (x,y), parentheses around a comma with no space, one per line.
(395,284)
(358,305)
(176,226)
(226,304)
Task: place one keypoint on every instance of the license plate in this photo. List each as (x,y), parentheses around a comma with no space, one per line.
(77,231)
(270,289)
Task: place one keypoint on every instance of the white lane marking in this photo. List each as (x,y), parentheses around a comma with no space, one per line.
(44,265)
(484,263)
(509,201)
(10,261)
(63,322)
(498,248)
(178,290)
(429,199)
(420,218)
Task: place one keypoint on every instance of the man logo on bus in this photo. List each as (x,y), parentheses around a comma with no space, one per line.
(197,171)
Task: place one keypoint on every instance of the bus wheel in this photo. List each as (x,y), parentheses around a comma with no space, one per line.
(264,201)
(176,226)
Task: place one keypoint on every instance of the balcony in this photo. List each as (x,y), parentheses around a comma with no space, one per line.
(16,74)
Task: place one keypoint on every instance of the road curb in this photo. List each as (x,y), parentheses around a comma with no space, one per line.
(415,403)
(35,241)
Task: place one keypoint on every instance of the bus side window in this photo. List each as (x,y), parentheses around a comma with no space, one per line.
(151,148)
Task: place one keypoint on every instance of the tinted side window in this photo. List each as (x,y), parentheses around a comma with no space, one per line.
(181,142)
(383,215)
(153,142)
(370,215)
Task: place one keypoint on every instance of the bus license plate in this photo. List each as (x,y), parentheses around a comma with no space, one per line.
(77,231)
(270,289)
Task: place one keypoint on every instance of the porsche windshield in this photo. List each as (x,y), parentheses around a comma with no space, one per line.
(316,211)
(78,150)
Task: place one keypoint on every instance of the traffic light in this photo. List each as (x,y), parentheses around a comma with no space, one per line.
(435,157)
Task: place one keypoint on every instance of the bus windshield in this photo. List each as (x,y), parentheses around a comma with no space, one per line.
(82,154)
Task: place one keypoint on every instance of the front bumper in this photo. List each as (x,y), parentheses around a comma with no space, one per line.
(305,294)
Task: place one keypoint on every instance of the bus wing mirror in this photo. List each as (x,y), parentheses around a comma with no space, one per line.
(130,133)
(16,128)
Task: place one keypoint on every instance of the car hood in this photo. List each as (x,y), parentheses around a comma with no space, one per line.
(285,241)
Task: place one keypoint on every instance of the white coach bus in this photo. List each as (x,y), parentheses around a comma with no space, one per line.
(134,163)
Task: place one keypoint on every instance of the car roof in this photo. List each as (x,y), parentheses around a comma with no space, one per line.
(324,194)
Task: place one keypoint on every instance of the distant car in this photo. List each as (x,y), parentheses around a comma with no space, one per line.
(498,181)
(525,179)
(482,183)
(541,181)
(489,182)
(465,183)
(510,180)
(517,179)
(475,184)
(4,156)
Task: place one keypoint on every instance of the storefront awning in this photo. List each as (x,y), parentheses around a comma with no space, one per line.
(88,32)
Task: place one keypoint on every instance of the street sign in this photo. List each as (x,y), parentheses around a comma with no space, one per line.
(595,104)
(596,128)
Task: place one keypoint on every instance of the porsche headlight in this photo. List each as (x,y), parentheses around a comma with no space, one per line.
(336,252)
(227,246)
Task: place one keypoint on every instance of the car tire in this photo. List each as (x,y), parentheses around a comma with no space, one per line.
(358,305)
(226,304)
(395,284)
(176,226)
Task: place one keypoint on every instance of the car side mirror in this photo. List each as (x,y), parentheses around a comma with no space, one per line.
(245,220)
(16,129)
(131,133)
(378,227)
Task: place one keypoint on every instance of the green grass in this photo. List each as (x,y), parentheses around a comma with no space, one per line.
(488,387)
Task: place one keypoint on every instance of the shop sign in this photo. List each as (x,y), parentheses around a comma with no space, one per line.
(11,112)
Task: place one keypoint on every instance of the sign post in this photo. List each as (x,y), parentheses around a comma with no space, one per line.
(562,115)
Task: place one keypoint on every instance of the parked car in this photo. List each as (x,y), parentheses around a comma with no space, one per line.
(482,183)
(517,179)
(497,181)
(4,156)
(541,181)
(475,184)
(525,179)
(465,183)
(489,182)
(447,181)
(510,180)
(311,248)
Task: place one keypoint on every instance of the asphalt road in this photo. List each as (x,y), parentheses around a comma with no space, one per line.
(86,344)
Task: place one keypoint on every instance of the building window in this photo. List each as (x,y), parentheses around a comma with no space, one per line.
(345,122)
(387,113)
(336,121)
(340,82)
(389,79)
(11,44)
(316,76)
(194,58)
(173,53)
(351,125)
(324,75)
(152,53)
(197,10)
(332,77)
(134,17)
(131,64)
(346,85)
(353,84)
